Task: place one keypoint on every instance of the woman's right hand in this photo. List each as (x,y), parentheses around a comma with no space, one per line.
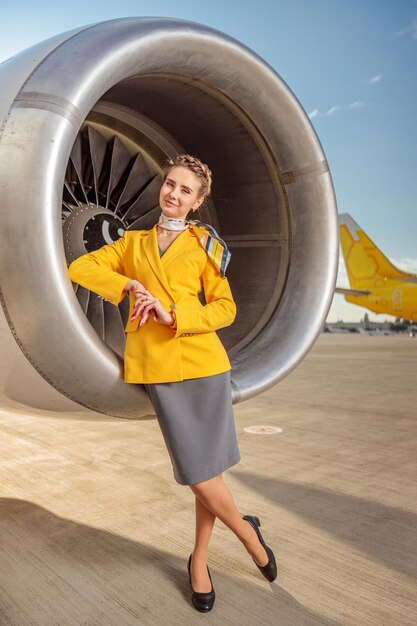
(135,286)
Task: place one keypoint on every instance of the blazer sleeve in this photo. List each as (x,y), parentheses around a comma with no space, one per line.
(220,310)
(102,271)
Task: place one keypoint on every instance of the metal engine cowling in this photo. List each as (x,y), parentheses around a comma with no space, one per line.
(88,118)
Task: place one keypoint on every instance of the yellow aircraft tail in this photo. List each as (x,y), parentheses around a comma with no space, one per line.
(366,265)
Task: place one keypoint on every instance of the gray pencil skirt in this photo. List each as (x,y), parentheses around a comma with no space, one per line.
(197,422)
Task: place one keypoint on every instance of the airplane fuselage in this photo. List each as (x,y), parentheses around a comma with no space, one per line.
(396,298)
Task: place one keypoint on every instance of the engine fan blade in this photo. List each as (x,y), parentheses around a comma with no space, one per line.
(145,222)
(76,158)
(119,162)
(87,166)
(95,314)
(139,176)
(68,188)
(114,334)
(148,197)
(83,296)
(98,147)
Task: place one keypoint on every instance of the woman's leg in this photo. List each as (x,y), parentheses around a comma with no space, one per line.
(204,522)
(217,498)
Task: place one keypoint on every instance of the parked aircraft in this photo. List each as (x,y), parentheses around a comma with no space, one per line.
(375,282)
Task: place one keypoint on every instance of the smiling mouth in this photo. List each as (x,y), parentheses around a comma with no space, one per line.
(170,203)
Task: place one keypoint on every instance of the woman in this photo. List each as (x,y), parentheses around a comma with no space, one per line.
(172,348)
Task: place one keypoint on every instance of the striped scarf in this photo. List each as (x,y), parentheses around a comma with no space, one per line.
(214,246)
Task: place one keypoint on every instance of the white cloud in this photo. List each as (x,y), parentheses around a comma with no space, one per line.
(358,104)
(333,110)
(407,264)
(409,30)
(375,79)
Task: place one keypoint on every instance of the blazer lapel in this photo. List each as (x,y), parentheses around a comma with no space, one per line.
(175,248)
(150,247)
(158,263)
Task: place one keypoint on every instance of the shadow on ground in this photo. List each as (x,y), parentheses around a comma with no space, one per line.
(384,533)
(54,570)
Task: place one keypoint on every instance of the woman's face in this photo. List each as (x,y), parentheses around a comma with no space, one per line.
(179,193)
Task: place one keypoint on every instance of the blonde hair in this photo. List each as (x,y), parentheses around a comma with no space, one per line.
(196,166)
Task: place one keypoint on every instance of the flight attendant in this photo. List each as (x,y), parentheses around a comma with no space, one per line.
(173,349)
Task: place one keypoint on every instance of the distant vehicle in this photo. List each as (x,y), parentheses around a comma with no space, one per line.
(339,330)
(375,282)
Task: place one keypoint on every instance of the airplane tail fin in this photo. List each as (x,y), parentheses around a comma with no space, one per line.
(366,265)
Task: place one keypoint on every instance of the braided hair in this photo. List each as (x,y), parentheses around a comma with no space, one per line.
(196,166)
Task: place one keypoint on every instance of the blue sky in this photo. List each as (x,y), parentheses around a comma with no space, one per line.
(351,63)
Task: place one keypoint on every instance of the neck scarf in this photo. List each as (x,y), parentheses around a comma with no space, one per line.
(214,246)
(207,236)
(171,223)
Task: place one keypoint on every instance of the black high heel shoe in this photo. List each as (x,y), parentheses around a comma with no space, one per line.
(270,569)
(203,601)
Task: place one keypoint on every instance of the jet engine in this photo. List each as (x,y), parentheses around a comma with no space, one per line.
(88,118)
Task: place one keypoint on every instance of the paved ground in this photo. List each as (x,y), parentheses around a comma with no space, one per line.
(95,531)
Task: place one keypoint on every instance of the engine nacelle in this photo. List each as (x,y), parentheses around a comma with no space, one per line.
(88,117)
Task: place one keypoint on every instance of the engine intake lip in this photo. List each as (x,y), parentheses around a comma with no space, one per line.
(108,63)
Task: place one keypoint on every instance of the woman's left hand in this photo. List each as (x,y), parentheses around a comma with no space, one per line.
(146,305)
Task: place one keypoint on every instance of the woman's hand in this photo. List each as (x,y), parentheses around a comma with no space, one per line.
(146,305)
(135,286)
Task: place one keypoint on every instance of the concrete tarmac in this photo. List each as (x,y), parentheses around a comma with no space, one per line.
(94,529)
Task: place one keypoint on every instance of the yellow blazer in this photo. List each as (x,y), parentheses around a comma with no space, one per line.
(156,353)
